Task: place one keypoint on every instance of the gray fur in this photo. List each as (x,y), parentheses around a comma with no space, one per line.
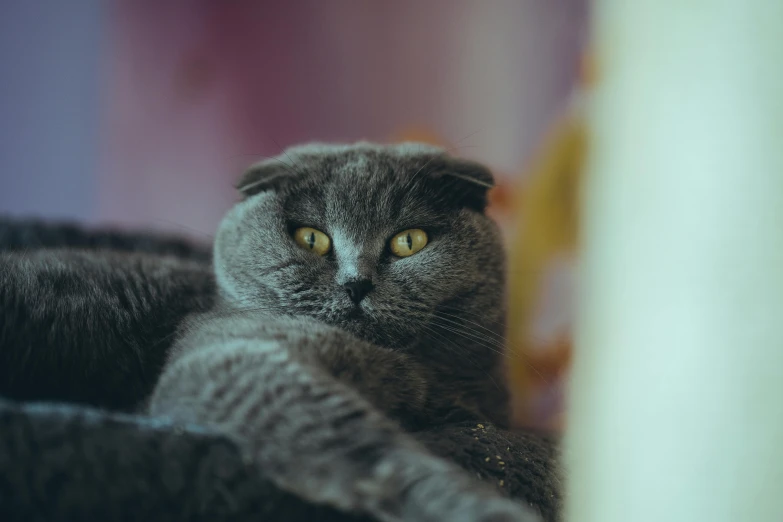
(317,389)
(320,393)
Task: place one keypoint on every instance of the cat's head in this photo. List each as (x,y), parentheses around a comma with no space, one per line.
(388,242)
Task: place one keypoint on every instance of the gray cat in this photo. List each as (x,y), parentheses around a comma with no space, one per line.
(360,294)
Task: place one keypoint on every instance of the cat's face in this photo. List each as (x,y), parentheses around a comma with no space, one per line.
(384,242)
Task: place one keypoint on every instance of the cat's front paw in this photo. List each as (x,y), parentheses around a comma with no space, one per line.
(457,498)
(495,510)
(484,509)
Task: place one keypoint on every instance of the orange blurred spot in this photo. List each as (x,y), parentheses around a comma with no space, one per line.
(418,134)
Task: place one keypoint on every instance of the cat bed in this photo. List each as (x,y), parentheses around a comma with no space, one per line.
(63,462)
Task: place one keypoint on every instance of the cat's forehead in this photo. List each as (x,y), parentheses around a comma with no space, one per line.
(363,186)
(347,152)
(363,162)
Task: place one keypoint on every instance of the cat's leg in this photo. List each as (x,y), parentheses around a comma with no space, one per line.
(396,383)
(315,436)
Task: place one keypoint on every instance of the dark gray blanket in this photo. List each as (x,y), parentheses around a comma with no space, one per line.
(67,462)
(64,463)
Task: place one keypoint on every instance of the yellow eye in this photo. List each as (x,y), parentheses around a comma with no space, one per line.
(312,239)
(408,242)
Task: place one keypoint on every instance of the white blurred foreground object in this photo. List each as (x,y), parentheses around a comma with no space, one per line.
(677,387)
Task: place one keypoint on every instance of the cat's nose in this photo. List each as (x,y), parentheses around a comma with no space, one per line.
(358,289)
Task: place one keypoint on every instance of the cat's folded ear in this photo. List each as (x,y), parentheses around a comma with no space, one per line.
(268,174)
(464,182)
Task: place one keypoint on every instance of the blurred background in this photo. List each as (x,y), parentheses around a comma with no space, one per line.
(142,113)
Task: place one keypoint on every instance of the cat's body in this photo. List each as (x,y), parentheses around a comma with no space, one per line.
(314,364)
(93,326)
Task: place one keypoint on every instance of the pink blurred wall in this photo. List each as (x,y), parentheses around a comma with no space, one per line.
(143,113)
(200,89)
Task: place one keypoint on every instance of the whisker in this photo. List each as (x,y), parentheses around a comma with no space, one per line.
(461,351)
(537,339)
(476,337)
(491,332)
(466,354)
(512,350)
(481,341)
(293,163)
(474,314)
